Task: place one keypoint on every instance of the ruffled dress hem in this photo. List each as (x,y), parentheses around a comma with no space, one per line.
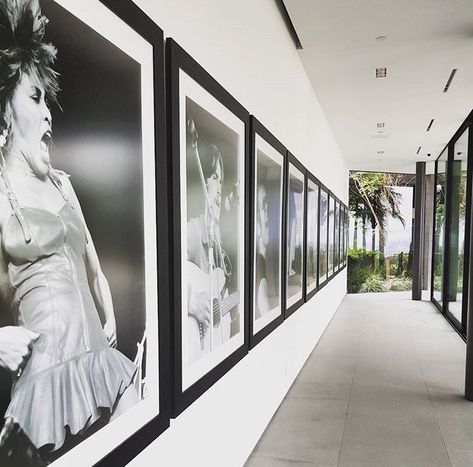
(69,395)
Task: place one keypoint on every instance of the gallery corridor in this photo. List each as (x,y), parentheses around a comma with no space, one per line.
(383,387)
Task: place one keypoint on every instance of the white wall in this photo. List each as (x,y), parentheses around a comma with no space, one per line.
(244,44)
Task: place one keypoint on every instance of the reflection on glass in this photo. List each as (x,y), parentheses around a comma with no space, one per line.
(439,234)
(312,219)
(323,212)
(295,235)
(331,234)
(457,226)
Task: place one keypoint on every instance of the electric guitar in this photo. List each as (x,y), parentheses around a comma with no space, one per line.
(203,339)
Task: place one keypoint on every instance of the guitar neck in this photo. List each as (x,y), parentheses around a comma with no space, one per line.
(227,304)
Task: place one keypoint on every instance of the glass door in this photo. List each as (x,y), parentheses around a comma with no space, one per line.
(453,301)
(451,228)
(440,199)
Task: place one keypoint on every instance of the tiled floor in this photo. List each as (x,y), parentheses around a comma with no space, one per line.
(384,387)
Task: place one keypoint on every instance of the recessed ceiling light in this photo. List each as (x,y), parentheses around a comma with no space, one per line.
(450,79)
(381,72)
(381,38)
(380,125)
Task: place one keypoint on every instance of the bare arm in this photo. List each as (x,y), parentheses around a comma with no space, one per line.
(100,286)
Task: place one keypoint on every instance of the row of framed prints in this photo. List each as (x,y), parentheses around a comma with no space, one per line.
(208,231)
(255,234)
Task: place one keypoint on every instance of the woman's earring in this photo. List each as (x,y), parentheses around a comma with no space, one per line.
(3,138)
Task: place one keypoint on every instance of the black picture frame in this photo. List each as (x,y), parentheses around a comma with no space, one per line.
(178,59)
(336,243)
(257,128)
(118,452)
(310,178)
(294,162)
(331,235)
(134,17)
(323,259)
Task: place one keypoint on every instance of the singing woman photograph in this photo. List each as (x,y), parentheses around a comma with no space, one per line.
(72,273)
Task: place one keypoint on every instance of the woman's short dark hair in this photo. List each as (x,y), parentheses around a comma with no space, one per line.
(23,51)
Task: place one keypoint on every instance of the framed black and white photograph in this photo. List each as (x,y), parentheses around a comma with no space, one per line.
(312,235)
(295,206)
(345,236)
(268,157)
(80,259)
(331,235)
(342,234)
(209,144)
(336,250)
(323,236)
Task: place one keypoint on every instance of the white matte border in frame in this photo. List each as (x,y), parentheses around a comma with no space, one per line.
(190,89)
(262,145)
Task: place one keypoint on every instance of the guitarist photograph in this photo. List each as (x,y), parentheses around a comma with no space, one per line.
(212,289)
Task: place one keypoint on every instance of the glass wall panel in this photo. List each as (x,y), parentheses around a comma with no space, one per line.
(312,221)
(323,212)
(459,169)
(439,233)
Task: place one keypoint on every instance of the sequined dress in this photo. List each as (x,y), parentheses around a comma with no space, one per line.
(72,373)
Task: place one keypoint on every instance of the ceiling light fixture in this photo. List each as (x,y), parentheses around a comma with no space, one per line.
(381,72)
(450,79)
(418,149)
(381,38)
(430,125)
(380,125)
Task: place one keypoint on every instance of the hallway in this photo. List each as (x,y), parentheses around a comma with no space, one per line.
(383,387)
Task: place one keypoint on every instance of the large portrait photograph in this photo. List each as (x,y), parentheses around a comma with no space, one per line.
(268,198)
(209,156)
(331,235)
(312,235)
(79,302)
(336,249)
(345,236)
(295,235)
(323,236)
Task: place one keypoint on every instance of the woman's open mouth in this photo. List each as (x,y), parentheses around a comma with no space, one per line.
(46,141)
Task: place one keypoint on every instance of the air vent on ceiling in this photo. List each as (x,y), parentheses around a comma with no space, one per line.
(450,79)
(381,72)
(418,149)
(430,125)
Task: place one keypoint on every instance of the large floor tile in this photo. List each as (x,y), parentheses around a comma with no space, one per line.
(267,461)
(382,441)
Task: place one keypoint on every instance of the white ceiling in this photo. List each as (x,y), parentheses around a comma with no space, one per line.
(425,40)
